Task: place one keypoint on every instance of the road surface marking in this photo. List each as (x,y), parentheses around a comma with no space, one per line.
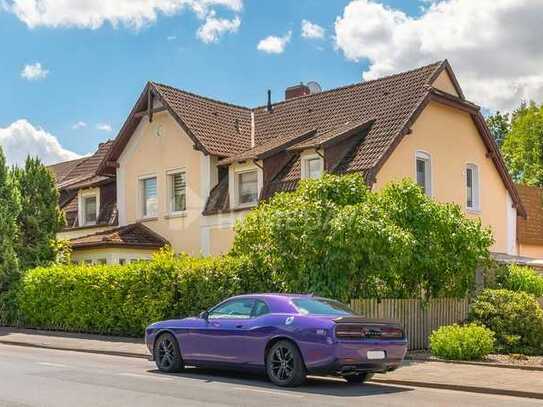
(51,364)
(276,393)
(143,376)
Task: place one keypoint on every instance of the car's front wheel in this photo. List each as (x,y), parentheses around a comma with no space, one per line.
(285,365)
(358,378)
(167,355)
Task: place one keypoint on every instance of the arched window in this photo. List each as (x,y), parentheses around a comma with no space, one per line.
(423,171)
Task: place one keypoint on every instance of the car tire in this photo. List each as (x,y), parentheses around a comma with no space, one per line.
(167,354)
(284,364)
(358,378)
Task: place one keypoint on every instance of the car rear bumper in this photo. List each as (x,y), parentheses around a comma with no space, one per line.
(350,357)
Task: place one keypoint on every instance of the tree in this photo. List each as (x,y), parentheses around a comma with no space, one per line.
(40,217)
(523,147)
(9,210)
(499,125)
(334,237)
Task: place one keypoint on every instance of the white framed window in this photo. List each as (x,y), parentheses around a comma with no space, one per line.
(423,171)
(149,197)
(177,186)
(89,207)
(247,187)
(472,187)
(312,166)
(101,261)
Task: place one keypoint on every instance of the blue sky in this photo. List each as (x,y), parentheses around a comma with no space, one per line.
(94,75)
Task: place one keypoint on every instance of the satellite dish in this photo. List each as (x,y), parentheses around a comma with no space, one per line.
(314,87)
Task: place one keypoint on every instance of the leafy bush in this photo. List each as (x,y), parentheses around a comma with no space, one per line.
(515,317)
(123,300)
(334,237)
(520,278)
(456,342)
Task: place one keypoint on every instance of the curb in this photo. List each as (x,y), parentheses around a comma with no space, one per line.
(463,362)
(467,389)
(93,351)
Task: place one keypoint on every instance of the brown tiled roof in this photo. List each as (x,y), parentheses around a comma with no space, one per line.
(269,147)
(135,235)
(530,230)
(223,129)
(82,172)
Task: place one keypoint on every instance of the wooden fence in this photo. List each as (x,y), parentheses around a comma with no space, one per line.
(417,321)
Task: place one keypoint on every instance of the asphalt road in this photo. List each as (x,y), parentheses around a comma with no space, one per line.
(40,377)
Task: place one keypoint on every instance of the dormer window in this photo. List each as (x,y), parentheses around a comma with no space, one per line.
(89,206)
(247,188)
(89,203)
(312,166)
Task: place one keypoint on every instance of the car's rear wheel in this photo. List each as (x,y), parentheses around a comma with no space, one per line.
(358,378)
(167,355)
(285,365)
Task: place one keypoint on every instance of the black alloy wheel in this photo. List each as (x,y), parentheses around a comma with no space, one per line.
(284,364)
(167,355)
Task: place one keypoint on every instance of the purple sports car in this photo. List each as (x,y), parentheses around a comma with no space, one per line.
(288,336)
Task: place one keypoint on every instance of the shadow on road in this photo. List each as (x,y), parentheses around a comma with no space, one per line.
(313,385)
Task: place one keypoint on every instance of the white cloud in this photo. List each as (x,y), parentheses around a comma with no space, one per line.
(21,139)
(274,44)
(312,31)
(34,72)
(215,27)
(104,127)
(493,45)
(79,125)
(93,14)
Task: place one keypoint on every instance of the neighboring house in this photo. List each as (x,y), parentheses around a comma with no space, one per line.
(530,229)
(188,167)
(89,203)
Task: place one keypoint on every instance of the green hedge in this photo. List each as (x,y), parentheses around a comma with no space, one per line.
(520,278)
(515,317)
(123,300)
(456,342)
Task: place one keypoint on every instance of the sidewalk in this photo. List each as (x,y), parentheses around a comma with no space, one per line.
(451,376)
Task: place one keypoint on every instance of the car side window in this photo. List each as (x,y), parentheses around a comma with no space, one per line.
(235,309)
(261,308)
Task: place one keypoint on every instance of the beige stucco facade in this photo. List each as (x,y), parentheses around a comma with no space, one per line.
(158,149)
(452,141)
(531,250)
(80,232)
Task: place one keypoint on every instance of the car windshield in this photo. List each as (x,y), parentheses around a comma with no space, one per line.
(320,306)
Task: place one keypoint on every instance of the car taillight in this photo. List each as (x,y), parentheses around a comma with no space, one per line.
(358,331)
(391,333)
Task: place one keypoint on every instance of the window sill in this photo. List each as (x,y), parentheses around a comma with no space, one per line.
(149,219)
(246,206)
(473,211)
(175,215)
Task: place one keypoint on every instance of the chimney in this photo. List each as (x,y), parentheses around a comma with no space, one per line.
(269,108)
(297,91)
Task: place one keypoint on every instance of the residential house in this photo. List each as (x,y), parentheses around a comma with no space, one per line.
(187,167)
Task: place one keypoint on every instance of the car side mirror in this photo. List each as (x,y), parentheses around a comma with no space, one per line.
(204,315)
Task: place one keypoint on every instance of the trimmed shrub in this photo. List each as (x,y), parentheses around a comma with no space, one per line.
(456,342)
(515,317)
(123,300)
(520,278)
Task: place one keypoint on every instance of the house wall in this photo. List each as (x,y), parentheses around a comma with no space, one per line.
(452,139)
(530,250)
(112,255)
(444,83)
(153,150)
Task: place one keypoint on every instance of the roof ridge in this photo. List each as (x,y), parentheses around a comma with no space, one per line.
(248,109)
(252,109)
